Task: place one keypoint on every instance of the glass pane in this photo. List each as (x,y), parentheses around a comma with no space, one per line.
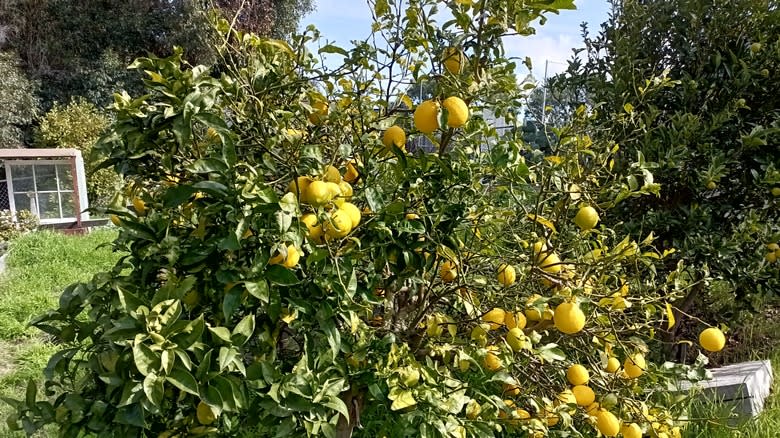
(68,206)
(22,177)
(45,177)
(65,177)
(22,202)
(48,206)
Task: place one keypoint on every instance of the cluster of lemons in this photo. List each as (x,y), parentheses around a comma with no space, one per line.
(331,192)
(774,252)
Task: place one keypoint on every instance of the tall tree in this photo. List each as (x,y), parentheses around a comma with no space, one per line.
(691,86)
(18,103)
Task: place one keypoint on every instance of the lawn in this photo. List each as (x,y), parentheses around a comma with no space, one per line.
(39,266)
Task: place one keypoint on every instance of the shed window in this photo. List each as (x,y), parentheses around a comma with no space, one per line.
(43,187)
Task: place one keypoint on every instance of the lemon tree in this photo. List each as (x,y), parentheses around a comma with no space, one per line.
(292,269)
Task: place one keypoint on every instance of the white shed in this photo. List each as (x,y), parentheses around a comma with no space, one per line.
(48,182)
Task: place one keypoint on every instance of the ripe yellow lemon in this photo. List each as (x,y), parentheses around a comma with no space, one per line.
(584,395)
(492,361)
(772,246)
(453,60)
(593,409)
(771,257)
(353,212)
(339,225)
(586,218)
(550,263)
(351,174)
(319,112)
(635,365)
(515,319)
(613,365)
(314,231)
(494,317)
(426,117)
(712,339)
(298,186)
(204,414)
(607,423)
(631,431)
(516,339)
(318,193)
(577,375)
(115,220)
(289,261)
(448,271)
(140,206)
(567,397)
(457,111)
(332,175)
(335,193)
(512,390)
(506,275)
(394,135)
(569,318)
(776,192)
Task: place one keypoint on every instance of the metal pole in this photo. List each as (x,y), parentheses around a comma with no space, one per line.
(544,93)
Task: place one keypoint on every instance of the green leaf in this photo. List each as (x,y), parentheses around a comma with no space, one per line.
(145,359)
(332,335)
(153,388)
(221,333)
(207,165)
(226,356)
(278,274)
(402,399)
(231,302)
(32,391)
(212,188)
(183,380)
(330,48)
(258,289)
(243,330)
(551,353)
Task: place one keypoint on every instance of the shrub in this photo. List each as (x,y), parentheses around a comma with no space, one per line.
(78,125)
(290,269)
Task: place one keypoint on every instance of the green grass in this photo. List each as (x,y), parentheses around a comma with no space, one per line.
(39,266)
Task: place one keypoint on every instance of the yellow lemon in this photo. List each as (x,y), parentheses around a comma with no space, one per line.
(335,193)
(584,395)
(569,318)
(515,319)
(772,246)
(577,374)
(511,389)
(494,317)
(631,431)
(776,192)
(453,60)
(319,112)
(332,175)
(339,225)
(550,263)
(635,365)
(115,220)
(613,365)
(394,135)
(492,361)
(457,111)
(586,218)
(506,275)
(318,193)
(298,186)
(607,423)
(448,271)
(567,397)
(426,117)
(771,257)
(712,339)
(140,206)
(353,212)
(204,414)
(288,261)
(516,339)
(473,409)
(593,409)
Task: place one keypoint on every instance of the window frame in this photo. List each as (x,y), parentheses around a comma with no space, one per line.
(72,192)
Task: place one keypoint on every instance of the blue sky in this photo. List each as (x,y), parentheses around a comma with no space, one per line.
(341,21)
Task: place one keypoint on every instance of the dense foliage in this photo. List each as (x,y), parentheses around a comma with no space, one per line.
(291,269)
(699,104)
(18,102)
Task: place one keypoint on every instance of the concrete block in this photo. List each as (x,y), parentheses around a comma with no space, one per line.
(743,386)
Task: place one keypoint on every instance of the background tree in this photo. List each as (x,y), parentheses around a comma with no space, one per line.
(18,102)
(689,86)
